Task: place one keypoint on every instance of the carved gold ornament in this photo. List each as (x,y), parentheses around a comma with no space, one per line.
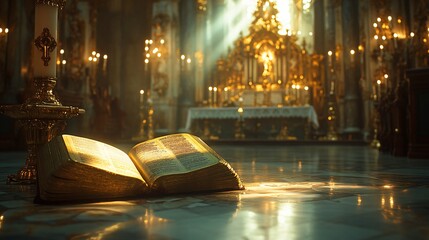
(54,3)
(46,44)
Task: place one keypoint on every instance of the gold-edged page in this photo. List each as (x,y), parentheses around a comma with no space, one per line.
(170,155)
(100,155)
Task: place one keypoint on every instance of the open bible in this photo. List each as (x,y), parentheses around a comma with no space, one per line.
(72,168)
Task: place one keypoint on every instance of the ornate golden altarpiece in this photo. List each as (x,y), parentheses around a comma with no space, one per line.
(264,71)
(268,68)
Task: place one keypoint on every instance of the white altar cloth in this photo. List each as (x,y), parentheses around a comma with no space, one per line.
(306,112)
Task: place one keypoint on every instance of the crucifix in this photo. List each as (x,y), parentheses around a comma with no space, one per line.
(46,44)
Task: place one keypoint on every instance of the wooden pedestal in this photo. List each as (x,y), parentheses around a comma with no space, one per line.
(418,113)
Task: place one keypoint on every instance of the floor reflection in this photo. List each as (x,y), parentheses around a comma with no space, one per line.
(292,192)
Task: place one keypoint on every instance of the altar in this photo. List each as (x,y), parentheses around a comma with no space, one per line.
(263,123)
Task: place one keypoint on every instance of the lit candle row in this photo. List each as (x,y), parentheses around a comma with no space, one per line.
(212,96)
(184,62)
(4,31)
(298,87)
(61,63)
(288,32)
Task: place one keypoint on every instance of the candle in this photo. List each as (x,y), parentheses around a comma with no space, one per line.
(330,58)
(395,38)
(210,95)
(225,90)
(63,66)
(352,55)
(104,63)
(182,62)
(378,89)
(215,96)
(240,112)
(45,18)
(141,97)
(146,62)
(6,31)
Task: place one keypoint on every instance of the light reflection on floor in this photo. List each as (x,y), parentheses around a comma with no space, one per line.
(292,192)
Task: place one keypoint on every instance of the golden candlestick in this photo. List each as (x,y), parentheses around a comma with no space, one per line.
(141,136)
(42,116)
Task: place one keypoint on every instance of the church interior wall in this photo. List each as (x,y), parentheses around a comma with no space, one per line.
(119,29)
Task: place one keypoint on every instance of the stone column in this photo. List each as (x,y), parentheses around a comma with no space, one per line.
(188,42)
(199,60)
(218,37)
(166,72)
(331,110)
(352,98)
(319,30)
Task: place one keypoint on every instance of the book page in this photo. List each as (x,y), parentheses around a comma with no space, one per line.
(172,154)
(100,155)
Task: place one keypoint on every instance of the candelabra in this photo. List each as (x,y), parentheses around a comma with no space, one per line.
(332,115)
(146,118)
(387,49)
(42,116)
(156,52)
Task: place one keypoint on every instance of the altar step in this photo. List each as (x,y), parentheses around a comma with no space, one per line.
(284,142)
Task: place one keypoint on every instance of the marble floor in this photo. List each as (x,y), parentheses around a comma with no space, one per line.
(292,192)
